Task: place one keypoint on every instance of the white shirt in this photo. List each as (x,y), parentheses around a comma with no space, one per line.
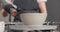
(41,0)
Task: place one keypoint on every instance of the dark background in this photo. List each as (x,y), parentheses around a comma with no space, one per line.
(53,8)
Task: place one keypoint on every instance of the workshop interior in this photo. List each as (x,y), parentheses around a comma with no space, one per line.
(29,15)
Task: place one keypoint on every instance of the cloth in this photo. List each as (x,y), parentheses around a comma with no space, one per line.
(41,0)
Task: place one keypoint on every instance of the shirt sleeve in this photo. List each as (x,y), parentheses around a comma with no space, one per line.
(41,0)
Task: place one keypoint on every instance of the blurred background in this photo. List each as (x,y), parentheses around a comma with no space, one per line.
(53,7)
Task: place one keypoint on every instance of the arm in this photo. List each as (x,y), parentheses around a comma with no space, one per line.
(42,6)
(9,8)
(10,1)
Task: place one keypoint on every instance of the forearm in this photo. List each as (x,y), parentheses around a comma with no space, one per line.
(42,7)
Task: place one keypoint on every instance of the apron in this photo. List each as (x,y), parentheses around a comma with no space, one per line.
(27,6)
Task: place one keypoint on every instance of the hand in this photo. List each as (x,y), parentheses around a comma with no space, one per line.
(14,12)
(5,14)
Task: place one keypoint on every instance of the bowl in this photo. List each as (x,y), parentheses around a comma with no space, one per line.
(33,18)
